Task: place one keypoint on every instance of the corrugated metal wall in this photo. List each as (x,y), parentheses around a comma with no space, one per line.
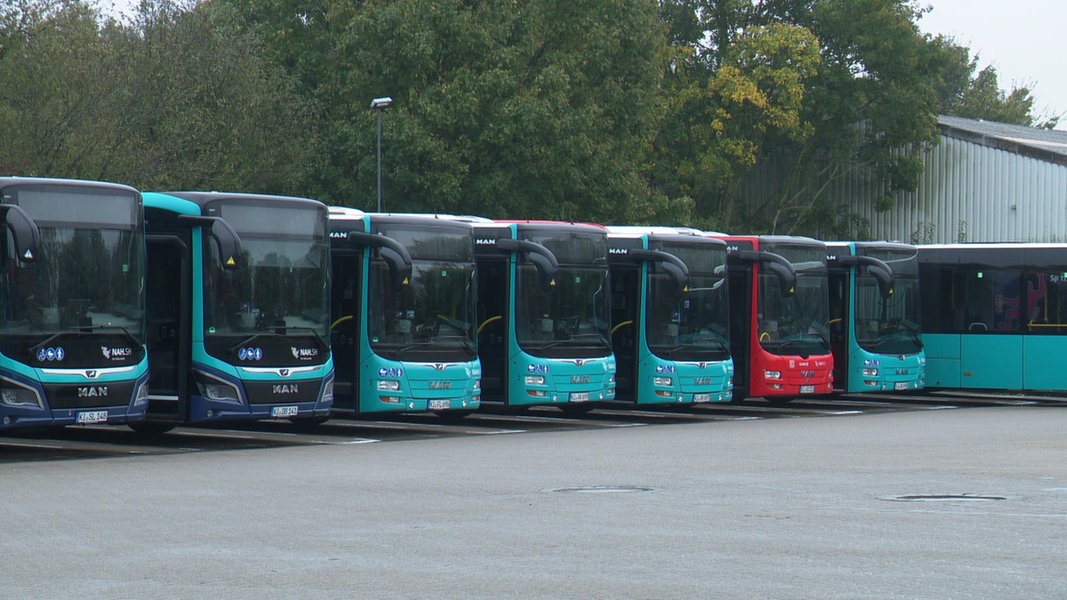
(974,193)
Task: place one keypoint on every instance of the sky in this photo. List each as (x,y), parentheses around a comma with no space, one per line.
(1024,40)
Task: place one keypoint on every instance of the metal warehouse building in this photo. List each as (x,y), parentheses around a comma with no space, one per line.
(984,182)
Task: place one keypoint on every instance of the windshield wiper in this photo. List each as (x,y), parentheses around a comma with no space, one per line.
(81,330)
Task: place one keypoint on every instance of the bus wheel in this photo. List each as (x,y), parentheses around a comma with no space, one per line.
(150,427)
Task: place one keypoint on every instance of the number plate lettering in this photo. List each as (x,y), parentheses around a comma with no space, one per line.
(579,396)
(807,389)
(92,416)
(284,411)
(440,404)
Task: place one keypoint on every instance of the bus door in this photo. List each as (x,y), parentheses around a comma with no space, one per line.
(840,320)
(739,275)
(346,300)
(626,301)
(168,311)
(493,337)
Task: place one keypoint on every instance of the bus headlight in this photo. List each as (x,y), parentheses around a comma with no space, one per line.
(772,374)
(663,381)
(214,388)
(388,385)
(535,380)
(870,372)
(327,392)
(16,394)
(141,397)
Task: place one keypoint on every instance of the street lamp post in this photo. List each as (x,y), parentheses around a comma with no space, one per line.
(379,104)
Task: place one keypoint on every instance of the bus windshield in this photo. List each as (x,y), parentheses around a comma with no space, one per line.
(431,317)
(87,278)
(795,324)
(570,316)
(889,325)
(279,288)
(691,324)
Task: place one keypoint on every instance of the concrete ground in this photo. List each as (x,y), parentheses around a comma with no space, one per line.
(968,503)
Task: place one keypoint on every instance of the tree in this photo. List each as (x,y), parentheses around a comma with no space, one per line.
(540,109)
(867,109)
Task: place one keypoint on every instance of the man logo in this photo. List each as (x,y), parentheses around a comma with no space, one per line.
(283,372)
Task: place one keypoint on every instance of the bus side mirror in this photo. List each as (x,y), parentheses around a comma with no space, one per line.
(882,272)
(395,255)
(542,258)
(777,264)
(229,243)
(676,269)
(26,236)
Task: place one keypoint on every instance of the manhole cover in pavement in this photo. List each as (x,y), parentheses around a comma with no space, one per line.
(944,498)
(604,489)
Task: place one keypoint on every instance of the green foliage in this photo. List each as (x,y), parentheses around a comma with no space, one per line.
(534,110)
(735,115)
(180,99)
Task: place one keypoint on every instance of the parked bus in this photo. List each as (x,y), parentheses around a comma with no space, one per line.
(238,308)
(875,328)
(994,316)
(72,328)
(403,313)
(669,316)
(545,331)
(779,313)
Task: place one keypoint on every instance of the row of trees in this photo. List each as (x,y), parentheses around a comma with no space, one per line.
(602,110)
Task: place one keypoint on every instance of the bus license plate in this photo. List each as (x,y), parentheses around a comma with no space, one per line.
(579,396)
(92,416)
(900,385)
(807,389)
(698,398)
(440,404)
(284,411)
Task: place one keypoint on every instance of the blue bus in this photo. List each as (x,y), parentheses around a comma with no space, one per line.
(403,322)
(72,325)
(994,316)
(543,301)
(875,323)
(238,308)
(670,316)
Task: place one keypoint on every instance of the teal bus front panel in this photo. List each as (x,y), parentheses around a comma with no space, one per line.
(991,361)
(545,381)
(663,381)
(1043,359)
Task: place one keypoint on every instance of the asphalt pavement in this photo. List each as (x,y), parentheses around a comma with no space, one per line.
(962,503)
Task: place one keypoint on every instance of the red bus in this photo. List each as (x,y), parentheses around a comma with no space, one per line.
(779,314)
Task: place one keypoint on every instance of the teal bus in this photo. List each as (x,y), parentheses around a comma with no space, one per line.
(994,316)
(72,324)
(875,323)
(670,317)
(403,317)
(543,302)
(238,308)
